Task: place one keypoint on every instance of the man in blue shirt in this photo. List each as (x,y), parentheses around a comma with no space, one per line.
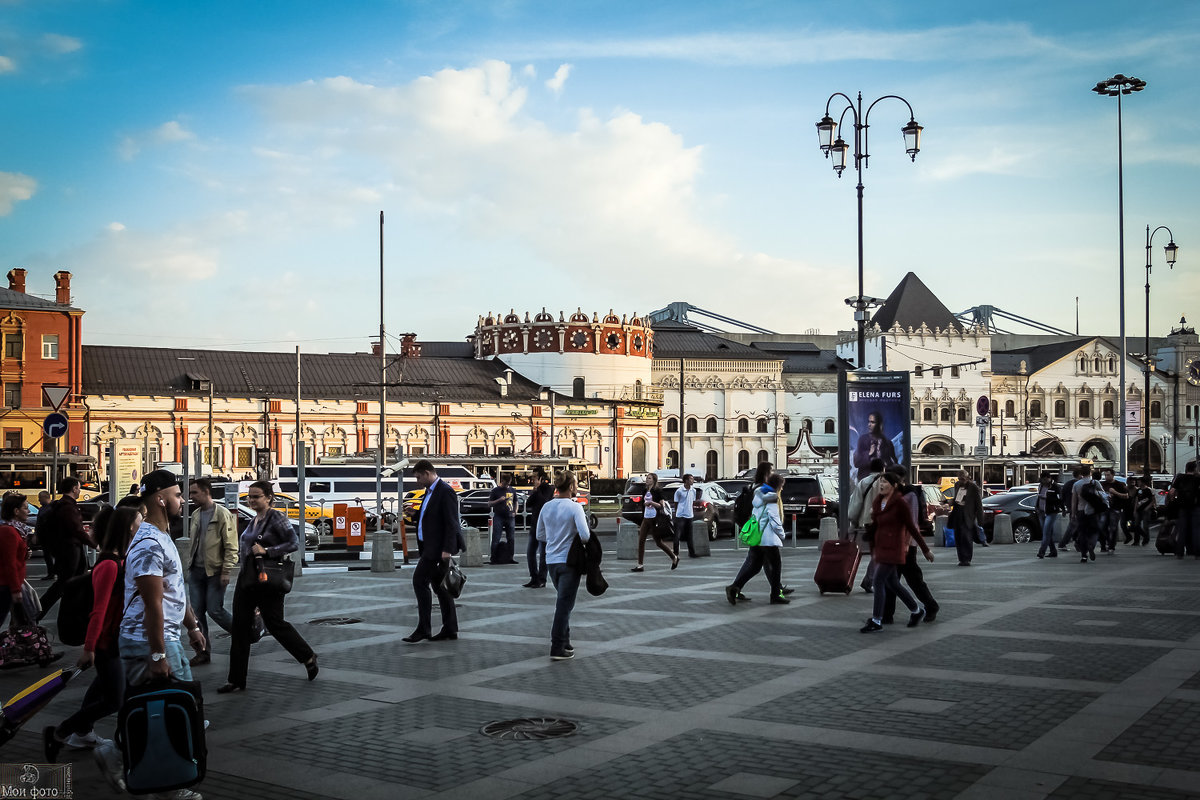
(503,502)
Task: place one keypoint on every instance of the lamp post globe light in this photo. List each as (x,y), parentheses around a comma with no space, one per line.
(1171,250)
(835,148)
(1116,86)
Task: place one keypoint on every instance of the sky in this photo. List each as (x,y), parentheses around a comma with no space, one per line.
(212,174)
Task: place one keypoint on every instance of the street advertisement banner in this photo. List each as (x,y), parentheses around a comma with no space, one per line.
(873,409)
(128,460)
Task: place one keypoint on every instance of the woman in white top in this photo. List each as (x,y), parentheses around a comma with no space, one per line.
(653,507)
(559,522)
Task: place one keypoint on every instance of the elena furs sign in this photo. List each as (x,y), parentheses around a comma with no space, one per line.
(873,409)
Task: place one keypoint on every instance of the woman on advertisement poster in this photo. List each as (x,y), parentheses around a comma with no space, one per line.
(874,441)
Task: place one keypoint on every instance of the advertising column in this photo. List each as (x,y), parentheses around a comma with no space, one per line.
(873,408)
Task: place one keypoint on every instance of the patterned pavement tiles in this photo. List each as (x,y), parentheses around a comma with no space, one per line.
(1164,737)
(431,742)
(1129,625)
(1079,788)
(1046,659)
(708,765)
(432,660)
(1169,599)
(590,625)
(989,716)
(765,637)
(607,677)
(1192,682)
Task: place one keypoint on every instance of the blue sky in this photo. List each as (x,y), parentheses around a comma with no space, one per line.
(212,174)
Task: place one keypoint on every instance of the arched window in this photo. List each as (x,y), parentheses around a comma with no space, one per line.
(691,425)
(1155,409)
(829,426)
(807,425)
(954,372)
(762,424)
(1085,409)
(743,425)
(962,415)
(763,455)
(1035,408)
(995,409)
(672,425)
(1096,364)
(1112,364)
(577,388)
(945,414)
(787,424)
(912,412)
(1010,409)
(743,460)
(710,425)
(673,458)
(638,452)
(1083,363)
(918,371)
(1109,410)
(927,415)
(637,390)
(710,466)
(1060,409)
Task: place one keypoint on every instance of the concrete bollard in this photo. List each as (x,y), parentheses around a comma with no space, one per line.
(939,531)
(700,543)
(473,556)
(828,529)
(627,541)
(382,557)
(1002,533)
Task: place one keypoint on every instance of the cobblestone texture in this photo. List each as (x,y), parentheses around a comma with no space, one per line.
(737,638)
(1164,599)
(1143,625)
(1165,737)
(1192,682)
(1092,789)
(463,656)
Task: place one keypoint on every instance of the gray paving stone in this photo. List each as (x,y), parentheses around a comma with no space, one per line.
(1143,625)
(1079,788)
(1163,737)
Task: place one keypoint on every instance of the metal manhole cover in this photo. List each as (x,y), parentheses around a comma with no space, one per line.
(335,621)
(529,729)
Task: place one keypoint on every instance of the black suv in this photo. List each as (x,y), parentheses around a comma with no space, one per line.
(809,498)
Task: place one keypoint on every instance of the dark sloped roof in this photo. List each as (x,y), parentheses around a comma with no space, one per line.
(804,357)
(10,298)
(911,303)
(447,349)
(335,376)
(1037,357)
(680,340)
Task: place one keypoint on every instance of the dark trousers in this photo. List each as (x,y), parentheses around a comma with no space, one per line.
(566,583)
(503,549)
(102,698)
(1141,526)
(887,586)
(207,597)
(964,539)
(247,596)
(535,555)
(911,572)
(762,558)
(1110,527)
(48,557)
(1087,533)
(68,562)
(1187,532)
(650,527)
(683,530)
(427,578)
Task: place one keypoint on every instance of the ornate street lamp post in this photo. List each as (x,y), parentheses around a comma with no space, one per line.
(1116,86)
(836,148)
(1171,250)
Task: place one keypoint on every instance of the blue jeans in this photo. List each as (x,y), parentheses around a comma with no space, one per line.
(535,554)
(1048,534)
(887,582)
(1187,532)
(135,657)
(566,582)
(207,597)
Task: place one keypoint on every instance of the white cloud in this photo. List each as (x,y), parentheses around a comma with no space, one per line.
(167,257)
(116,227)
(556,83)
(170,132)
(7,65)
(14,187)
(60,45)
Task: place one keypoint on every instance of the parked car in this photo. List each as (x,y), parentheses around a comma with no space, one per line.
(733,486)
(713,507)
(1021,506)
(474,509)
(808,498)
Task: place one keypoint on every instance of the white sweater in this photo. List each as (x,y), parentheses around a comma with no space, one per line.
(766,511)
(558,522)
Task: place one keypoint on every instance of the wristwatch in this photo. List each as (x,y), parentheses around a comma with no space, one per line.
(158,656)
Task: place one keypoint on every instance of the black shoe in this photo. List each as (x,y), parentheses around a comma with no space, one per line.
(870,627)
(1041,555)
(888,620)
(311,667)
(964,563)
(51,744)
(531,585)
(741,596)
(866,587)
(786,590)
(200,658)
(779,600)
(930,616)
(675,562)
(638,569)
(1083,560)
(444,636)
(731,594)
(416,636)
(561,655)
(914,619)
(230,688)
(1128,539)
(1053,555)
(1092,555)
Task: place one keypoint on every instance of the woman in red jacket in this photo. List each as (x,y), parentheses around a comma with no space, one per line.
(14,509)
(114,528)
(893,530)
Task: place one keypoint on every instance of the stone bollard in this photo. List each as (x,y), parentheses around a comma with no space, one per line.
(939,531)
(1002,533)
(473,556)
(700,543)
(627,541)
(382,557)
(828,529)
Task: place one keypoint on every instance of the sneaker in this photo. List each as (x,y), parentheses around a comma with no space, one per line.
(915,618)
(870,627)
(108,759)
(741,596)
(569,648)
(200,658)
(85,742)
(731,594)
(1083,560)
(1092,555)
(561,655)
(178,794)
(786,590)
(779,599)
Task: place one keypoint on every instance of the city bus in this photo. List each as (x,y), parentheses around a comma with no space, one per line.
(996,473)
(29,473)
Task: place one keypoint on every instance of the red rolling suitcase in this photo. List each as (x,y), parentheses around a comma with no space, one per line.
(837,566)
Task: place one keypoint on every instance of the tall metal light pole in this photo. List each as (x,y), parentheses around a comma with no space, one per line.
(1116,86)
(837,148)
(382,457)
(1171,250)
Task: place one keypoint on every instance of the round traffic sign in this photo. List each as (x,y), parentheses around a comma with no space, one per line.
(983,406)
(55,425)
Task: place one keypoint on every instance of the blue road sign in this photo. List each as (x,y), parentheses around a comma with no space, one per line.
(55,425)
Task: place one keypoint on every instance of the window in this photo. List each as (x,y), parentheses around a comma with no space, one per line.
(1112,364)
(710,465)
(1035,408)
(419,450)
(638,453)
(478,451)
(945,415)
(927,415)
(1096,364)
(1060,409)
(1155,409)
(743,460)
(691,425)
(743,426)
(1010,409)
(50,346)
(912,412)
(787,424)
(829,426)
(245,456)
(995,409)
(1083,362)
(14,343)
(212,455)
(962,415)
(1085,409)
(672,425)
(762,424)
(954,372)
(12,439)
(673,458)
(505,451)
(918,371)
(577,388)
(331,450)
(937,372)
(710,425)
(807,425)
(569,452)
(1109,410)
(763,455)
(12,395)
(637,390)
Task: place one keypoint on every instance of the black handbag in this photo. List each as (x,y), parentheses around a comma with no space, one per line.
(454,579)
(279,572)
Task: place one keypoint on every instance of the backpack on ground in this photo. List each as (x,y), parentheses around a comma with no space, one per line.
(1095,497)
(160,730)
(743,506)
(25,644)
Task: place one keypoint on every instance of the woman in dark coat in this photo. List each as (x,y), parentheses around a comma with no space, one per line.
(894,529)
(966,517)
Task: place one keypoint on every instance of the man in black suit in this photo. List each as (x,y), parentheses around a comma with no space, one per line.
(439,532)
